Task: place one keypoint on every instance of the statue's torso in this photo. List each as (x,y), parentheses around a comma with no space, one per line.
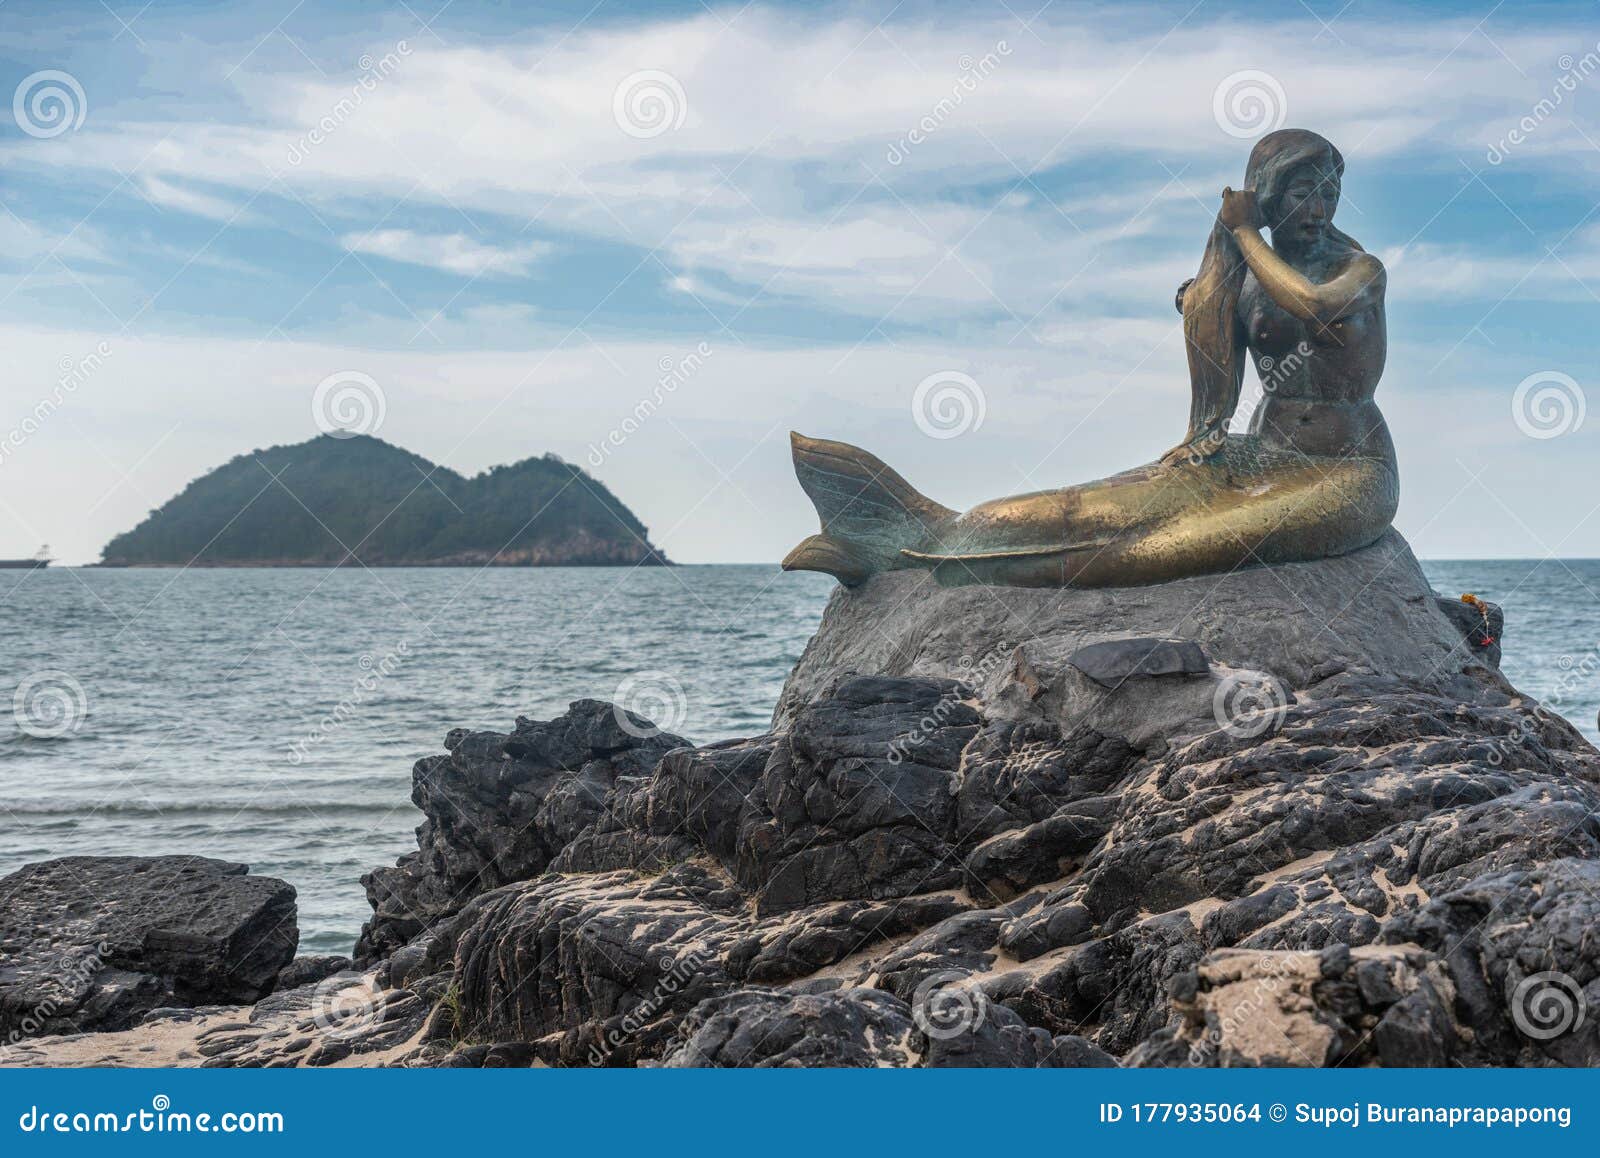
(1318,382)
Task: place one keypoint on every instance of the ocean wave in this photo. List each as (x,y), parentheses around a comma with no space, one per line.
(44,809)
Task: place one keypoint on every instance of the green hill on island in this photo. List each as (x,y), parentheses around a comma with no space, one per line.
(330,499)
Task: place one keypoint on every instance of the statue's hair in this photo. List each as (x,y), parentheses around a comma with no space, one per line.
(1275,159)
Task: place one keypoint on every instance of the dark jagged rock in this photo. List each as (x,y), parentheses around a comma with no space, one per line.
(309,970)
(1518,943)
(344,1016)
(595,969)
(1017,772)
(1341,1006)
(824,935)
(693,801)
(93,943)
(1000,1039)
(499,808)
(1113,988)
(751,1028)
(1046,850)
(958,946)
(856,802)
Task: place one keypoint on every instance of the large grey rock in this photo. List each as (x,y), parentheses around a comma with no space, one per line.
(1371,612)
(94,942)
(1113,661)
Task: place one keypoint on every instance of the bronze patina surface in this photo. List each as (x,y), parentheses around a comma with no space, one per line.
(1314,476)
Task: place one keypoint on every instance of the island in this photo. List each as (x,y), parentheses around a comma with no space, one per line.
(333,499)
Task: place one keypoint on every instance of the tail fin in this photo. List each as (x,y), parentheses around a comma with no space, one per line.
(869,513)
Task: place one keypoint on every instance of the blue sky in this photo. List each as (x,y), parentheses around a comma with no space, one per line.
(459,205)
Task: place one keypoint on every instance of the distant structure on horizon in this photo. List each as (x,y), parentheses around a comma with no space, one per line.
(41,559)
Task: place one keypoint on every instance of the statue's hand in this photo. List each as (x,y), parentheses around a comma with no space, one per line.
(1240,209)
(1182,289)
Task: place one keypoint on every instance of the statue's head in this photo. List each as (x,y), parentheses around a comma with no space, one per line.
(1296,175)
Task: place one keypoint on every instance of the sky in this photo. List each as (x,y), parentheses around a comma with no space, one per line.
(949,233)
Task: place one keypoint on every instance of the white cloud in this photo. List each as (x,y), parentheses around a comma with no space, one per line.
(779,175)
(1569,271)
(33,244)
(452,252)
(187,200)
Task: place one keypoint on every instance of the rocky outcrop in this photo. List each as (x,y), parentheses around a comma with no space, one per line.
(499,807)
(1149,833)
(93,943)
(916,873)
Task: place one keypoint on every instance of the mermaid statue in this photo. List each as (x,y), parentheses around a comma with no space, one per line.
(1314,476)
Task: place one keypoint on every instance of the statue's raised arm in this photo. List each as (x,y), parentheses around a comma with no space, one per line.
(1314,476)
(1357,287)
